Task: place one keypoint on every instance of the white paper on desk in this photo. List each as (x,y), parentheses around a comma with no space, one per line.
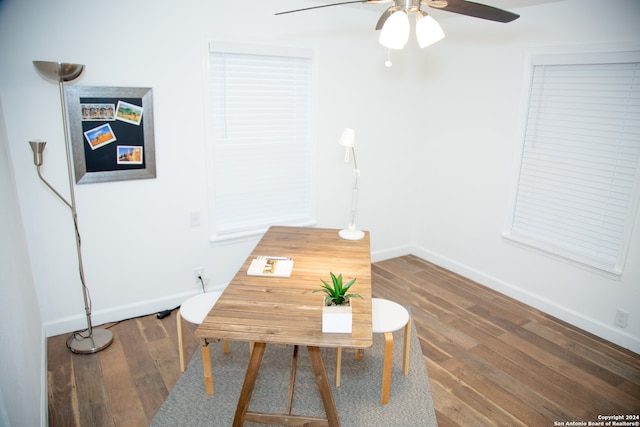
(271,266)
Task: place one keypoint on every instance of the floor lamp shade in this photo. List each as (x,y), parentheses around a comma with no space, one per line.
(38,149)
(90,340)
(59,71)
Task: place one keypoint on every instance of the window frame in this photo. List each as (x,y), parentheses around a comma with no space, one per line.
(220,46)
(571,56)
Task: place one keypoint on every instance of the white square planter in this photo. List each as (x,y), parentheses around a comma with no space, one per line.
(336,319)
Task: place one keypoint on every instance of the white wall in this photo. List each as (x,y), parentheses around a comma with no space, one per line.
(138,246)
(23,396)
(436,134)
(468,160)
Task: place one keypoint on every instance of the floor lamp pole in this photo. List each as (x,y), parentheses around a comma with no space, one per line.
(91,340)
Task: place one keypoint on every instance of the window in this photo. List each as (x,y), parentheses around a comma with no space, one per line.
(260,117)
(578,182)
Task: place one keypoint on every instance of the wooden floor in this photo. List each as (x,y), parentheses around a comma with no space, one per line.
(491,360)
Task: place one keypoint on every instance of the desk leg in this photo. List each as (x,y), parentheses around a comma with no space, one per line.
(338,367)
(249,383)
(323,386)
(206,367)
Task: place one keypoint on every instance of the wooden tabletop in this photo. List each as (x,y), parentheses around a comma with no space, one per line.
(285,310)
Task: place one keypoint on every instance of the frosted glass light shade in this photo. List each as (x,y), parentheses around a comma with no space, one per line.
(348,138)
(428,31)
(395,31)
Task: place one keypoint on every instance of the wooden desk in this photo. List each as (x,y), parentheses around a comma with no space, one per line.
(271,310)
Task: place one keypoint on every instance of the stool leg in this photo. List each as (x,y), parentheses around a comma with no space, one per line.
(338,368)
(407,345)
(180,342)
(225,346)
(359,353)
(386,369)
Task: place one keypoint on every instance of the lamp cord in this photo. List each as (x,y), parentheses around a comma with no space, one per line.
(78,335)
(81,273)
(74,214)
(202,282)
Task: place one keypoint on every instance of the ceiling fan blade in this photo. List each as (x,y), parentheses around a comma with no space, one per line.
(475,10)
(322,5)
(336,4)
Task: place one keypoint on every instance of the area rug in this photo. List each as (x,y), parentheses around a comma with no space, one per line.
(357,399)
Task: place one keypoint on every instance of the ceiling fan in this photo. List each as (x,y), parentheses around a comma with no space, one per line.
(396,31)
(462,7)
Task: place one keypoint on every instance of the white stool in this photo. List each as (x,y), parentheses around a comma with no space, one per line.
(194,310)
(386,316)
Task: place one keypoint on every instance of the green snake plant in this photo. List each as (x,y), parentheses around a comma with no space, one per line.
(336,293)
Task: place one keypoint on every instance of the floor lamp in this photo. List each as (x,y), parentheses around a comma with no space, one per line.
(348,140)
(90,340)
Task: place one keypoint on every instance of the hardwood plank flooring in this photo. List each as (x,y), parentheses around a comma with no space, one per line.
(492,361)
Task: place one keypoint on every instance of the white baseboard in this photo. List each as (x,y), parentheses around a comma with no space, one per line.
(99,317)
(128,311)
(580,320)
(391,253)
(607,332)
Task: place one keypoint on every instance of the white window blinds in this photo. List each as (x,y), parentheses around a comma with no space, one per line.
(261,155)
(577,190)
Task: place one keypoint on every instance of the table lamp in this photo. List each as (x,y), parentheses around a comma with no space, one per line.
(348,140)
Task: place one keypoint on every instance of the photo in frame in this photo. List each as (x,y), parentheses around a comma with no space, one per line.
(129,155)
(99,136)
(112,133)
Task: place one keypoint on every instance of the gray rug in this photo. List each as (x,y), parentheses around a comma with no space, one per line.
(357,399)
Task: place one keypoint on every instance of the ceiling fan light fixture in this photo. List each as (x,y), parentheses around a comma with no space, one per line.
(428,31)
(395,31)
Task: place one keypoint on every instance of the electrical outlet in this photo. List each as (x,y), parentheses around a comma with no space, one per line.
(198,273)
(621,319)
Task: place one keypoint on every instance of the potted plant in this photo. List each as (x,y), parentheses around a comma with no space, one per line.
(336,310)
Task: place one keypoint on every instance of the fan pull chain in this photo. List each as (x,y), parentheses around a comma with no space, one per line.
(388,62)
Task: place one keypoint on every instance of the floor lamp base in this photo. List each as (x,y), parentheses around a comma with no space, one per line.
(351,234)
(99,339)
